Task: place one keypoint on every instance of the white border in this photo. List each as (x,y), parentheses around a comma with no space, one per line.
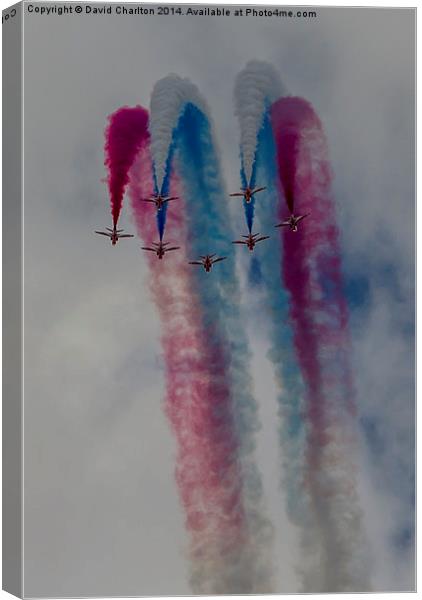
(386,4)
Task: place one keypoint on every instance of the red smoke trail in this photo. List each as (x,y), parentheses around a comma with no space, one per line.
(198,402)
(126,129)
(287,163)
(311,269)
(311,258)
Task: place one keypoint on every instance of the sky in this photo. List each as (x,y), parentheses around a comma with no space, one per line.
(102,514)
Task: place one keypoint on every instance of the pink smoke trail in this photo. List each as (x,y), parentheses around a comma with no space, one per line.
(126,129)
(311,259)
(198,404)
(311,269)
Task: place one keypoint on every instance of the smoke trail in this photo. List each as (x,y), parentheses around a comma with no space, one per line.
(197,395)
(255,86)
(254,272)
(164,116)
(248,207)
(311,268)
(198,401)
(127,126)
(291,388)
(287,162)
(196,404)
(165,191)
(249,213)
(199,167)
(208,400)
(310,347)
(199,407)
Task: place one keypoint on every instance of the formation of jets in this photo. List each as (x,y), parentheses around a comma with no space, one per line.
(207,261)
(114,234)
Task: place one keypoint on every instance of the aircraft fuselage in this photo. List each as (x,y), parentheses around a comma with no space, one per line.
(248,195)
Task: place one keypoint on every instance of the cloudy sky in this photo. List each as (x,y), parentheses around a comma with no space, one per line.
(102,514)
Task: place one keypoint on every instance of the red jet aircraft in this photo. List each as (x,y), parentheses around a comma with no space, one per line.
(159,200)
(114,234)
(208,261)
(251,240)
(292,222)
(248,192)
(160,248)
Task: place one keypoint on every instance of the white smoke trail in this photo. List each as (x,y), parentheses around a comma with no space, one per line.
(339,559)
(168,96)
(257,85)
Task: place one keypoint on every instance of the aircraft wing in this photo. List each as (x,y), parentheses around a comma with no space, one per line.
(125,235)
(237,194)
(239,242)
(103,233)
(173,248)
(263,237)
(196,262)
(172,198)
(218,259)
(150,249)
(283,224)
(259,190)
(301,217)
(147,200)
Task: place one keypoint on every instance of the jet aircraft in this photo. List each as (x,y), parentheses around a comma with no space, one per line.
(207,261)
(251,240)
(159,200)
(160,248)
(248,192)
(114,234)
(292,222)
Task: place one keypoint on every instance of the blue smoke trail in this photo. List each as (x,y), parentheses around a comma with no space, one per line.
(249,207)
(255,272)
(208,232)
(165,190)
(249,212)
